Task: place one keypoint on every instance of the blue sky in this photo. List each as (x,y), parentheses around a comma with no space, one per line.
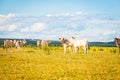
(95,20)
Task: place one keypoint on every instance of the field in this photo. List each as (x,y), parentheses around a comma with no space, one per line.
(31,63)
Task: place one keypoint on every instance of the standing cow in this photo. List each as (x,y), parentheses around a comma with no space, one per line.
(9,44)
(19,43)
(79,43)
(66,43)
(45,43)
(22,42)
(117,42)
(39,43)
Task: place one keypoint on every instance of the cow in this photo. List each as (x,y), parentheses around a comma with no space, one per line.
(8,44)
(117,42)
(22,43)
(66,43)
(79,43)
(45,43)
(13,43)
(39,43)
(19,43)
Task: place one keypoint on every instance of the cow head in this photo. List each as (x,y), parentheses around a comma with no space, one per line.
(24,41)
(49,41)
(62,39)
(73,38)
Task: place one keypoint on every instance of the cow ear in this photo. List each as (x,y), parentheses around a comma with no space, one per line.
(73,37)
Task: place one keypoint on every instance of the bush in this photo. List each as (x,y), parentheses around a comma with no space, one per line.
(113,50)
(101,49)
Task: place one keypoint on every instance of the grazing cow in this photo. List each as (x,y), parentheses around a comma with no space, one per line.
(45,43)
(39,43)
(117,42)
(80,43)
(66,43)
(8,44)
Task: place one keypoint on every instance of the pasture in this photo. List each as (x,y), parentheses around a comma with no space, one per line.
(31,63)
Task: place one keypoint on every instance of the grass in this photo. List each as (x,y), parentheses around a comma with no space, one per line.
(31,63)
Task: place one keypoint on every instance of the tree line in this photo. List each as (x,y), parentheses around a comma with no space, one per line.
(32,42)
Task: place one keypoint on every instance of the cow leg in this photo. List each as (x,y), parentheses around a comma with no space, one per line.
(10,49)
(85,50)
(78,49)
(5,49)
(70,49)
(65,50)
(75,49)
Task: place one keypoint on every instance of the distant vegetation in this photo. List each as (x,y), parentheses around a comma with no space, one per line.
(32,42)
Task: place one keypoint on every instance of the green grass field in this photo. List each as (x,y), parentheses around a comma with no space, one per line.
(31,63)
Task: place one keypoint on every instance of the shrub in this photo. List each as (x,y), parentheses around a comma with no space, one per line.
(101,49)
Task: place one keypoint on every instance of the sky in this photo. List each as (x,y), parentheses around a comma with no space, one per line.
(95,20)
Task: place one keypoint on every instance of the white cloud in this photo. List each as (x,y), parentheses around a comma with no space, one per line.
(9,27)
(12,27)
(26,29)
(67,24)
(36,27)
(4,18)
(67,14)
(10,15)
(49,15)
(2,28)
(79,12)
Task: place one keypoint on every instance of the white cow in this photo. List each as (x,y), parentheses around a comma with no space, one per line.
(45,43)
(79,43)
(39,43)
(19,43)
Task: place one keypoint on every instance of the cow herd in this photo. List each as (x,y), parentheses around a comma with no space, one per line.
(9,44)
(14,43)
(72,43)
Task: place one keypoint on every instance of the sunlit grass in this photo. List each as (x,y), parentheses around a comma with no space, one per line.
(31,63)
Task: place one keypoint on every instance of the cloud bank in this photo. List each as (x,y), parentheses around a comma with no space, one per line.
(53,26)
